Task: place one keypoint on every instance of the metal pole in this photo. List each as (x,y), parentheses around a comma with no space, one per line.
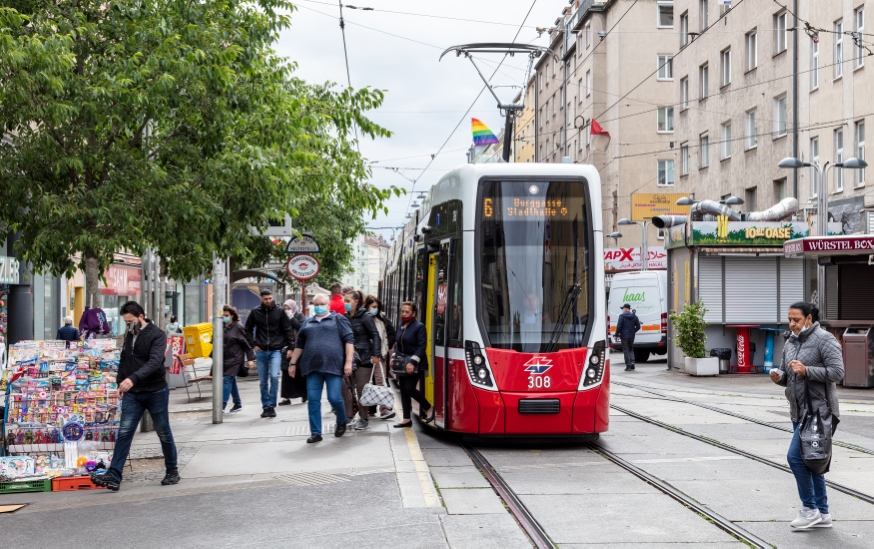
(822,230)
(644,247)
(217,339)
(795,96)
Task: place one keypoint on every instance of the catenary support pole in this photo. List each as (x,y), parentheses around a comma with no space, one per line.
(217,338)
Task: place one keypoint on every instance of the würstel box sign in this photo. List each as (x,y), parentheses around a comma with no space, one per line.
(836,245)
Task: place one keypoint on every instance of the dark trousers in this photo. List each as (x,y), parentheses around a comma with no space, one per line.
(409,391)
(133,405)
(628,350)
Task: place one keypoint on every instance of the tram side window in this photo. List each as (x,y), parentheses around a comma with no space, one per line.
(442,288)
(420,272)
(454,335)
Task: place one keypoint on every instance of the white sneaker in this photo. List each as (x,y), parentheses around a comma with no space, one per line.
(362,425)
(387,414)
(807,518)
(826,522)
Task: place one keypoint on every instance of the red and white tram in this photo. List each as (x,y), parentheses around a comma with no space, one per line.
(504,263)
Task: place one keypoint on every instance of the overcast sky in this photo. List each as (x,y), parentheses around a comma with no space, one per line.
(425,99)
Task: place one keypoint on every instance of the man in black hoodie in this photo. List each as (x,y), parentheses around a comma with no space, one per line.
(142,385)
(626,328)
(269,330)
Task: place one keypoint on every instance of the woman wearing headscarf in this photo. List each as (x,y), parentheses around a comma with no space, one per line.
(812,364)
(292,387)
(387,340)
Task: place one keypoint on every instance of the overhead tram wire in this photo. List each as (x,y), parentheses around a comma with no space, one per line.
(463,118)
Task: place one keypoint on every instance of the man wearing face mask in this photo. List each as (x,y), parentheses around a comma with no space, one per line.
(269,331)
(142,386)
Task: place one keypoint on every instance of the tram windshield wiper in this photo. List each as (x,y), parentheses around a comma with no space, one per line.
(567,305)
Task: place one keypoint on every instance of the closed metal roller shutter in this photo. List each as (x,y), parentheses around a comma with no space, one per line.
(710,286)
(751,290)
(791,285)
(831,292)
(856,292)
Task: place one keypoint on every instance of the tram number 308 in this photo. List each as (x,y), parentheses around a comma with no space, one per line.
(539,382)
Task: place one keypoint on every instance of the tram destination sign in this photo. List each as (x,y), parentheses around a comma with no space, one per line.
(527,207)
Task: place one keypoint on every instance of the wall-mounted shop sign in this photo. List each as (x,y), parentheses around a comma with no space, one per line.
(9,270)
(645,206)
(830,245)
(628,259)
(722,232)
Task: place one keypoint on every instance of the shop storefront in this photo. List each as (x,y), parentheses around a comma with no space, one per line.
(847,307)
(738,269)
(123,284)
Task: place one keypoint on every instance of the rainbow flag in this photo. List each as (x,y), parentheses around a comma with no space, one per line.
(482,135)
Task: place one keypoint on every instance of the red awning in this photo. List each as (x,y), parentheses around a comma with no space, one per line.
(823,246)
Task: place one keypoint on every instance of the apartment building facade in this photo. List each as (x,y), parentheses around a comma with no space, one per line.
(524,145)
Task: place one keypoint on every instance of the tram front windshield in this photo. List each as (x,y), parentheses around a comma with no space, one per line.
(533,248)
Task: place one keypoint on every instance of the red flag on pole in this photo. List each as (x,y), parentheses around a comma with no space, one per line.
(600,137)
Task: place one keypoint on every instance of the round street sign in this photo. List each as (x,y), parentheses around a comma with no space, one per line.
(303,267)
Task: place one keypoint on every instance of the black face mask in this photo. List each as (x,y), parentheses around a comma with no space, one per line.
(134,327)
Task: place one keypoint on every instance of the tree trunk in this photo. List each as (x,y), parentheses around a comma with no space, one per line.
(92,279)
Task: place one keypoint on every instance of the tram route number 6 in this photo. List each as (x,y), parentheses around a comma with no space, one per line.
(539,382)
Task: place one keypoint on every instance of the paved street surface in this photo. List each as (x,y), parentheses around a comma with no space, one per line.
(251,482)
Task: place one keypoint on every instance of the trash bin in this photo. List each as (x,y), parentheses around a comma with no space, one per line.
(198,339)
(724,356)
(859,356)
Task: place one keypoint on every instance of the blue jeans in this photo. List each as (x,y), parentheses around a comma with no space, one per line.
(315,381)
(229,387)
(269,363)
(811,487)
(132,407)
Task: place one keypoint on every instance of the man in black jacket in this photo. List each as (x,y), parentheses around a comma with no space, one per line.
(269,330)
(626,328)
(142,385)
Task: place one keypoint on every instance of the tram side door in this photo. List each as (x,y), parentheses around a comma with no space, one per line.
(430,301)
(438,312)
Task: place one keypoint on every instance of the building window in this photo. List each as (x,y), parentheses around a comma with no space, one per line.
(666,14)
(780,116)
(580,90)
(705,150)
(814,159)
(726,66)
(751,130)
(588,33)
(860,151)
(588,83)
(703,5)
(660,234)
(814,65)
(540,116)
(665,120)
(558,97)
(581,138)
(752,50)
(839,157)
(750,199)
(684,29)
(541,80)
(781,23)
(860,28)
(666,67)
(726,140)
(666,172)
(554,101)
(780,189)
(684,159)
(839,49)
(703,71)
(684,93)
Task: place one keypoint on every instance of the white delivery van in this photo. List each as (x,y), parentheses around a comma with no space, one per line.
(647,293)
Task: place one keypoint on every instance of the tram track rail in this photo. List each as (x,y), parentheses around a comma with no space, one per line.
(520,512)
(728,448)
(718,520)
(847,445)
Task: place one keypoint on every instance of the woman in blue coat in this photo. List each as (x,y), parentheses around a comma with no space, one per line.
(412,341)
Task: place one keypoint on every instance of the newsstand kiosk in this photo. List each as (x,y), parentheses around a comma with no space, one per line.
(847,291)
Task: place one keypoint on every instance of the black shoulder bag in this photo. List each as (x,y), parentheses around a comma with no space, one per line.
(400,360)
(815,432)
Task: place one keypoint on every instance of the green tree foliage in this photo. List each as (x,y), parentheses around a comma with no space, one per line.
(171,125)
(689,326)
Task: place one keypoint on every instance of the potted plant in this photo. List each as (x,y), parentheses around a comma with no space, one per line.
(690,338)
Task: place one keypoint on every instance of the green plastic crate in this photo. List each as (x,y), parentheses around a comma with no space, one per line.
(42,485)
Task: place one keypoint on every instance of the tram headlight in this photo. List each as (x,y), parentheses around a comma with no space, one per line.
(476,365)
(478,361)
(482,373)
(597,362)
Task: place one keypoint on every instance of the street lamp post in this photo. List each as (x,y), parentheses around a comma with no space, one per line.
(644,246)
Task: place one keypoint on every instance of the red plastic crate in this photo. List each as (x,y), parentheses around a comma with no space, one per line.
(62,484)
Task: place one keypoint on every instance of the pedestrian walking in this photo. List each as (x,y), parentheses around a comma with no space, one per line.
(626,328)
(410,353)
(173,327)
(292,387)
(238,353)
(324,353)
(337,304)
(367,347)
(387,340)
(142,386)
(68,332)
(812,364)
(269,331)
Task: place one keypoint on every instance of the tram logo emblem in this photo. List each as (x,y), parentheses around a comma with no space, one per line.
(538,365)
